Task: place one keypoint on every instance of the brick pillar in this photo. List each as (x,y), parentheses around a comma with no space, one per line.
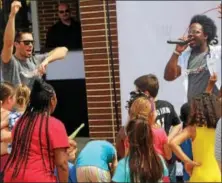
(48,15)
(99,85)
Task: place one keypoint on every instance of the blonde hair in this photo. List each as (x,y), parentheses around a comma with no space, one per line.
(22,95)
(141,108)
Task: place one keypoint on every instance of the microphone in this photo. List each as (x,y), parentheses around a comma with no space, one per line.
(179,42)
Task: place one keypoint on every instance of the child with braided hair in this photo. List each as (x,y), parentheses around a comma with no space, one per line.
(40,141)
(204,115)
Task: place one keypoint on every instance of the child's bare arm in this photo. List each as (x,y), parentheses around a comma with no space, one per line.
(4,119)
(4,124)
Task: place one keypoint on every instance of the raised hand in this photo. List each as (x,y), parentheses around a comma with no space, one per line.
(213,78)
(15,6)
(72,150)
(42,69)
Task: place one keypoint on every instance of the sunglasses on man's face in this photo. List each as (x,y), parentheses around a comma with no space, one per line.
(63,11)
(27,42)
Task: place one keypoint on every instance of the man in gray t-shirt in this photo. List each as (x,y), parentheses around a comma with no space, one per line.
(23,66)
(16,71)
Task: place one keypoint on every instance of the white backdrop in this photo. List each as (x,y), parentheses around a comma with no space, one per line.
(71,67)
(143,29)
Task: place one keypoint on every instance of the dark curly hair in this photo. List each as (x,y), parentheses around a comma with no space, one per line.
(133,96)
(184,113)
(205,110)
(209,27)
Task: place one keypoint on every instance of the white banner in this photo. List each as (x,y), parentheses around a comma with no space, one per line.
(143,29)
(71,67)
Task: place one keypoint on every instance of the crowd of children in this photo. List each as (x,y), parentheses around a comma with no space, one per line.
(35,146)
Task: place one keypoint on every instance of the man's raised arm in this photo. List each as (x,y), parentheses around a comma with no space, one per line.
(9,34)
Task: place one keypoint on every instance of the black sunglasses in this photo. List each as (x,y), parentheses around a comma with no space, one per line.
(27,42)
(63,11)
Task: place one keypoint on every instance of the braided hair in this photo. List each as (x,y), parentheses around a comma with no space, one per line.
(205,110)
(38,108)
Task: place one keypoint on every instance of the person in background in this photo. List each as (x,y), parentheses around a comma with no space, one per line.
(23,67)
(22,93)
(39,141)
(96,162)
(205,110)
(142,163)
(167,117)
(120,140)
(186,146)
(22,97)
(7,98)
(66,32)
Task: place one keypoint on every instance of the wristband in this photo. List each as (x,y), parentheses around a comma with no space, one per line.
(177,53)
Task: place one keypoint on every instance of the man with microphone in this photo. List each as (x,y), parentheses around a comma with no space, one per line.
(200,61)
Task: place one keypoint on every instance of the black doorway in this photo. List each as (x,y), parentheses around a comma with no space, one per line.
(72,104)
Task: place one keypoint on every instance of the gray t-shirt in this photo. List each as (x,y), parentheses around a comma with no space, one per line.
(13,71)
(199,75)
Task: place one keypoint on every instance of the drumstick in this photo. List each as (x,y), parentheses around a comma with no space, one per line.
(73,135)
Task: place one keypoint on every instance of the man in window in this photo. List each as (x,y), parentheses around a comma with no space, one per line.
(66,32)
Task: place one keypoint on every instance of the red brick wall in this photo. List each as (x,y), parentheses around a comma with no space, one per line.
(99,85)
(48,15)
(100,94)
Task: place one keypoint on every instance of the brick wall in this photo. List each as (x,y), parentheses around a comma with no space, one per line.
(100,93)
(99,85)
(48,15)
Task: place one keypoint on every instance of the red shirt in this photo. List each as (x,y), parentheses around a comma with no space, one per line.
(35,170)
(159,138)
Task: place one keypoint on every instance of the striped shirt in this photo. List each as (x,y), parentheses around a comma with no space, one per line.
(218,142)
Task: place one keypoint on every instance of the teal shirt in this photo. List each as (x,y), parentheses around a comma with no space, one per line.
(98,153)
(122,172)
